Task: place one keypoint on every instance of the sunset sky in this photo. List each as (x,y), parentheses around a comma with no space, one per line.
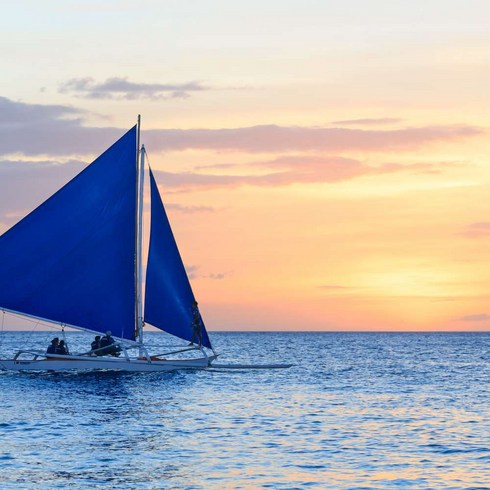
(325,164)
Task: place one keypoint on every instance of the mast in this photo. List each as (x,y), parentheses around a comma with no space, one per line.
(138,236)
(140,245)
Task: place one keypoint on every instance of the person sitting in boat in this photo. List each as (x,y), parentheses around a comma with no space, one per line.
(96,345)
(107,339)
(196,325)
(53,347)
(62,348)
(107,342)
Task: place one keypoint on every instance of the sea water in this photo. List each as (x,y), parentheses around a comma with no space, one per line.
(357,410)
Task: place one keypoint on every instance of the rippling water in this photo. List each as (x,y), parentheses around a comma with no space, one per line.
(359,410)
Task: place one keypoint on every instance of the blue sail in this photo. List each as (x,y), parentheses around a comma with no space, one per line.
(168,293)
(71,260)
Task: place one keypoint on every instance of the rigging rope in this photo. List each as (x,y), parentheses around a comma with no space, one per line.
(36,322)
(3,321)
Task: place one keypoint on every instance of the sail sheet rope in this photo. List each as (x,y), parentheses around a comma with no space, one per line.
(3,322)
(31,332)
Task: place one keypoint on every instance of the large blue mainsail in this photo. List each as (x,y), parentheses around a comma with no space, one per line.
(71,260)
(168,293)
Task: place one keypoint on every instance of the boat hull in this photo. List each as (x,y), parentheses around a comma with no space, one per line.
(108,363)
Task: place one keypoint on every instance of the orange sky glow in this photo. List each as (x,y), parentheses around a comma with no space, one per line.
(325,165)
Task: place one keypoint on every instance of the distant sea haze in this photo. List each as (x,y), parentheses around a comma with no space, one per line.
(357,410)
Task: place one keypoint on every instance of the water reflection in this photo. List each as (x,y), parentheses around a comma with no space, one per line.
(359,410)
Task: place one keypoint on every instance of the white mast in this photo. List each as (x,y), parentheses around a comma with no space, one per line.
(140,163)
(140,244)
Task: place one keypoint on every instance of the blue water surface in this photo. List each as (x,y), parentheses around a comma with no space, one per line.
(357,411)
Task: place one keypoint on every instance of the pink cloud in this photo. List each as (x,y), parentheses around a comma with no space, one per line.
(480,317)
(189,209)
(477,230)
(333,287)
(290,169)
(368,121)
(286,139)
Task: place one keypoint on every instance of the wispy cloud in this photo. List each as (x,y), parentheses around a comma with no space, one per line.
(417,167)
(122,88)
(333,287)
(35,129)
(480,317)
(477,230)
(189,209)
(216,276)
(273,138)
(192,272)
(368,122)
(16,113)
(287,170)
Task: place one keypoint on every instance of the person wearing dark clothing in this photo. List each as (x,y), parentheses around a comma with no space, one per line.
(62,348)
(108,343)
(53,347)
(196,324)
(96,344)
(107,339)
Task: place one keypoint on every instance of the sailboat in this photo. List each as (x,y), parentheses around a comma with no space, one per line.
(76,262)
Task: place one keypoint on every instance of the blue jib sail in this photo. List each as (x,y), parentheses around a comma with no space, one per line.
(71,260)
(168,293)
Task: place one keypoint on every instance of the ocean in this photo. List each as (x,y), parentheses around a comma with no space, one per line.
(356,411)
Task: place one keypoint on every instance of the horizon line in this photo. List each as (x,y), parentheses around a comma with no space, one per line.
(278,331)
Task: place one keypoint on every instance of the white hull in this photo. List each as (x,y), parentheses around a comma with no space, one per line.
(65,363)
